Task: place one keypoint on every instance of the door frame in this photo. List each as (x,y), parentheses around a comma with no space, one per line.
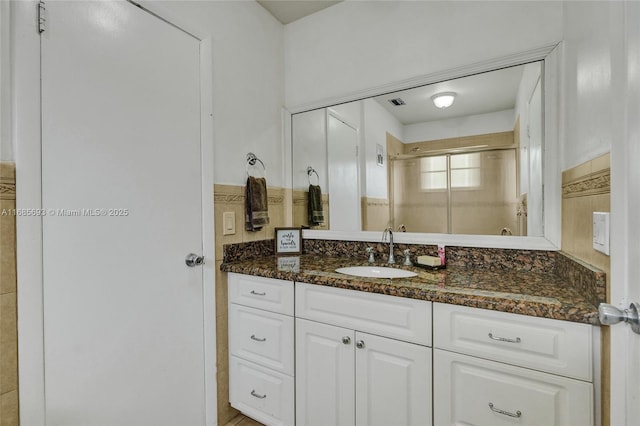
(330,112)
(26,138)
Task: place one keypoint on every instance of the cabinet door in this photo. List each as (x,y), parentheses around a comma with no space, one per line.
(474,391)
(324,375)
(393,382)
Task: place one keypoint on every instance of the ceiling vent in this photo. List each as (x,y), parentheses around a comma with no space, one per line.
(397,101)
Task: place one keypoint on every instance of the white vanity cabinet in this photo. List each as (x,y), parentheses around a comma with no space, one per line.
(261,348)
(309,354)
(351,367)
(494,368)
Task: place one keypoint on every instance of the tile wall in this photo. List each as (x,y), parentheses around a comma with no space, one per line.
(230,198)
(586,189)
(8,299)
(301,209)
(375,213)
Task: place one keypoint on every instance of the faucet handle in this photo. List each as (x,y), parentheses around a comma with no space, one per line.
(371,257)
(407,258)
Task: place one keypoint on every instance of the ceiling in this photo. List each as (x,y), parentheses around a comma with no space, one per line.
(287,11)
(478,94)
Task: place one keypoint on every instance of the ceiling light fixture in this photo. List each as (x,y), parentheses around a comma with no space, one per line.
(444,99)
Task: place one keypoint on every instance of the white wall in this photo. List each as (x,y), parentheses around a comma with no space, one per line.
(600,99)
(530,76)
(6,145)
(470,125)
(309,130)
(593,61)
(351,112)
(248,82)
(377,123)
(358,45)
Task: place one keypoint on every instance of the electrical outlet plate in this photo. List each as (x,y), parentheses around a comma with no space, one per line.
(601,232)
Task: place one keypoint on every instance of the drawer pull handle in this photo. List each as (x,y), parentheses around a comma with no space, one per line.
(255,293)
(517,415)
(504,339)
(258,339)
(253,393)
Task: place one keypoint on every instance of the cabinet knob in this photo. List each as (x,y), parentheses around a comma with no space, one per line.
(360,344)
(346,340)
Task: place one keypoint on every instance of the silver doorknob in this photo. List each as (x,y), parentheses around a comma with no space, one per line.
(610,315)
(346,340)
(360,344)
(193,259)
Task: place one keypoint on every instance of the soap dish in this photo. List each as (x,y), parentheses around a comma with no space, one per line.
(429,267)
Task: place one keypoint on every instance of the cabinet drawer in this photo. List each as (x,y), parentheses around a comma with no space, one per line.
(473,391)
(396,317)
(262,337)
(262,293)
(262,394)
(554,346)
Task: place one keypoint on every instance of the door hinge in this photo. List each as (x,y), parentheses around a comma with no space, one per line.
(41,18)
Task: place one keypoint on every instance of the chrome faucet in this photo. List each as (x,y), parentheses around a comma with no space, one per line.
(392,259)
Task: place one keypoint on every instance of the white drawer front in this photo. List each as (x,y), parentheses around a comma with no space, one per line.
(464,387)
(262,293)
(262,337)
(263,394)
(396,317)
(543,344)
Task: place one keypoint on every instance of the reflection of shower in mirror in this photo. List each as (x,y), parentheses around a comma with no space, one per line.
(458,170)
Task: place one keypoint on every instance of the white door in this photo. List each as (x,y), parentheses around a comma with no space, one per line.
(534,196)
(391,370)
(121,180)
(625,229)
(342,160)
(324,375)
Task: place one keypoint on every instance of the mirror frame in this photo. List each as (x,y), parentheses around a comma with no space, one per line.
(550,56)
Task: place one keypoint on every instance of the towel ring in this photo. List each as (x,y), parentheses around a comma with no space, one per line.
(252,160)
(311,170)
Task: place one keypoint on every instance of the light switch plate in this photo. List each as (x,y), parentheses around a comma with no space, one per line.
(228,223)
(601,232)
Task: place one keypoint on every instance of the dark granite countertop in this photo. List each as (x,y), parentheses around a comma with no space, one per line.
(519,292)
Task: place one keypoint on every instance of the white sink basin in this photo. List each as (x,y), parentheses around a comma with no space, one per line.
(376,272)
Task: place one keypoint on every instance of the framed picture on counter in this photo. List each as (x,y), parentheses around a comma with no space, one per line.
(288,241)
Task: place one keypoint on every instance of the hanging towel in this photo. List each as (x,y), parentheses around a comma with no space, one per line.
(256,204)
(316,215)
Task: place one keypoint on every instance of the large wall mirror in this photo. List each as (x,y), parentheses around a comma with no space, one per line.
(404,160)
